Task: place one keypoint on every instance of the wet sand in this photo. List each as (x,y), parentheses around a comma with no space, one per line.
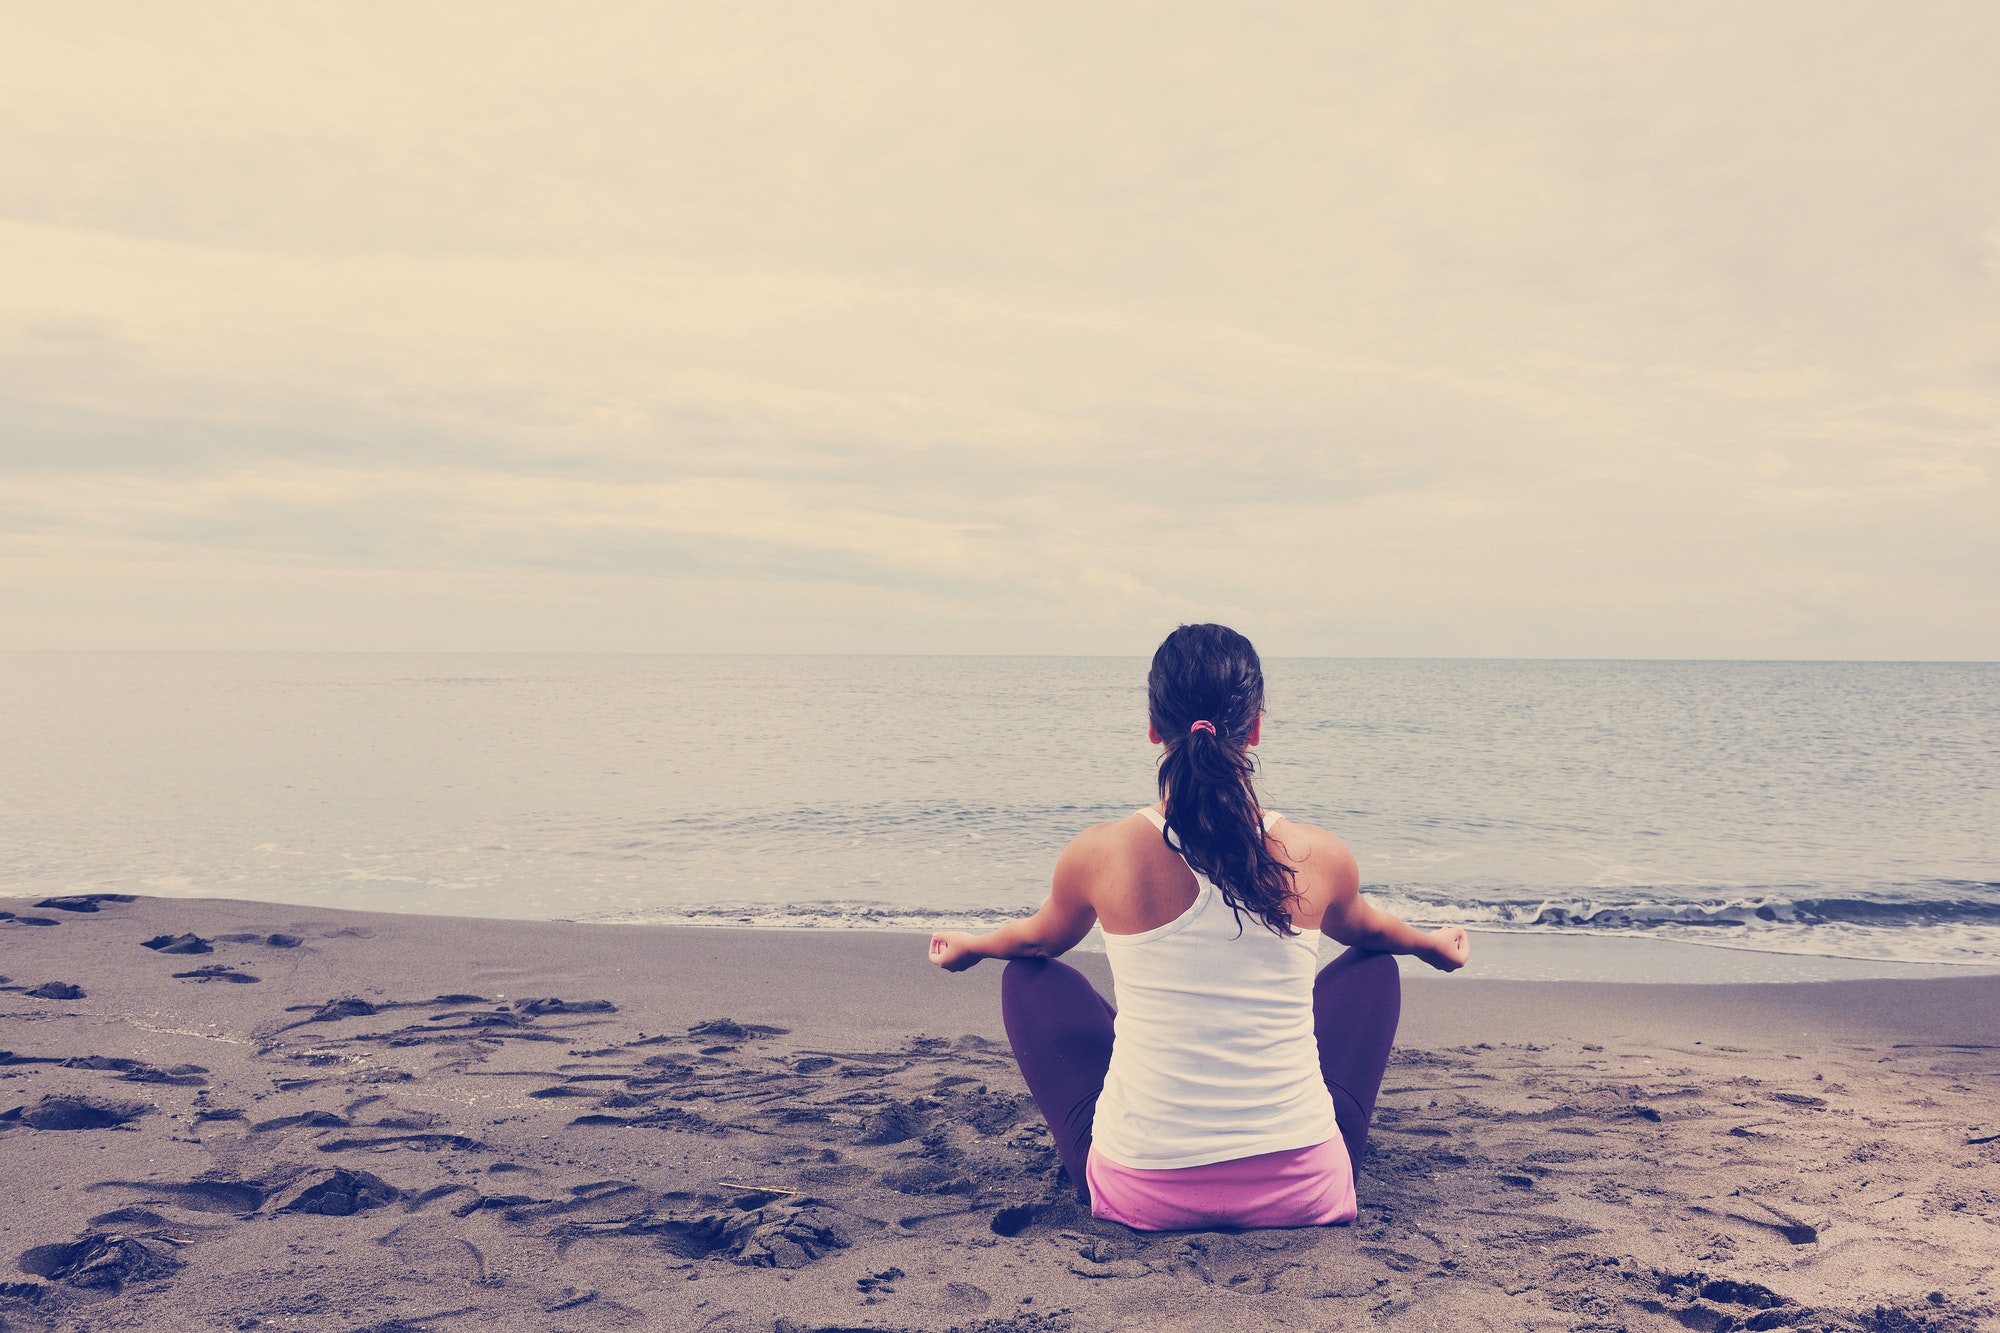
(226,1115)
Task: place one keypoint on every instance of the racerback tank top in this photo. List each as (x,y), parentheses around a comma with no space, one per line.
(1214,1056)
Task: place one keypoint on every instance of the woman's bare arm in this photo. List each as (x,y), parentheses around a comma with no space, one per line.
(1061,922)
(1351,919)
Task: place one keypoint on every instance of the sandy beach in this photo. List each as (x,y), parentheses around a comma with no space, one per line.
(232,1115)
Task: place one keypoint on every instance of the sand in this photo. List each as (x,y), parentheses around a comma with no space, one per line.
(292,1118)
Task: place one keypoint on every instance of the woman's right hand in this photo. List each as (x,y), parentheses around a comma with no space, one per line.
(1448,949)
(952,950)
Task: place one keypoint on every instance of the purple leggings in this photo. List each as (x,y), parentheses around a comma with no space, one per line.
(1060,1028)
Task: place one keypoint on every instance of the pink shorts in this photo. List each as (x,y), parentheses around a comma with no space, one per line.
(1299,1187)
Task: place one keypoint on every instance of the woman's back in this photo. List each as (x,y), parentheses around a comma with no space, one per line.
(1215,1056)
(1208,1097)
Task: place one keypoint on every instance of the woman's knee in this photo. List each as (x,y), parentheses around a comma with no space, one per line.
(1383,972)
(1365,968)
(1022,973)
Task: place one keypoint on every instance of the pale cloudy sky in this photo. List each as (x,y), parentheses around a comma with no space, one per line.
(1395,328)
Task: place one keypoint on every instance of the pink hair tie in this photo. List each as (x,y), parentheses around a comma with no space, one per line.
(1208,727)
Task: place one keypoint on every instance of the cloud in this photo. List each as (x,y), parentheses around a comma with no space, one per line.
(1568,330)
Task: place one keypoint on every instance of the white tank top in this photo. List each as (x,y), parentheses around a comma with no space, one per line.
(1214,1056)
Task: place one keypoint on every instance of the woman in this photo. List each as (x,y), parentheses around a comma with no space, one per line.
(1234,1086)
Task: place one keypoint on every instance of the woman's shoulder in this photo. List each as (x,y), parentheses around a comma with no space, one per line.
(1318,855)
(1113,837)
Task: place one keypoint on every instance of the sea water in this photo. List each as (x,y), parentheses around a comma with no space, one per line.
(1806,810)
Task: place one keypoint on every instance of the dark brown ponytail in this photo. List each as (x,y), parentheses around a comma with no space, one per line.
(1209,674)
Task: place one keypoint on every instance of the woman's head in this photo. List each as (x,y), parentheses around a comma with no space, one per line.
(1205,700)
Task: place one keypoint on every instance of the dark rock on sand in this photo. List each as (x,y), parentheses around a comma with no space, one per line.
(58,990)
(340,1192)
(723,1029)
(784,1236)
(216,972)
(102,1261)
(178,944)
(138,1071)
(303,1120)
(84,902)
(346,1007)
(556,1006)
(10,1058)
(57,1113)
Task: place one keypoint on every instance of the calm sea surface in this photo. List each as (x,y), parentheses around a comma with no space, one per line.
(1838,809)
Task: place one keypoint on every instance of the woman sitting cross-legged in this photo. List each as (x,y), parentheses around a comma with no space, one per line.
(1234,1083)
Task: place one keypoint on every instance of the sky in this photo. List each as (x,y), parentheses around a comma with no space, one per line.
(1389,329)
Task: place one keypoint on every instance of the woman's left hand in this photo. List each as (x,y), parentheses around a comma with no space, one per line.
(1447,948)
(952,950)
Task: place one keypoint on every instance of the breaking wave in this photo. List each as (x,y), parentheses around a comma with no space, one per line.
(1954,921)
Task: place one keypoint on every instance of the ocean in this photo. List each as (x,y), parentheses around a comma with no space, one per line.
(1790,809)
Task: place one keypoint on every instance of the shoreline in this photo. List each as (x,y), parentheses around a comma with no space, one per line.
(710,1127)
(1554,954)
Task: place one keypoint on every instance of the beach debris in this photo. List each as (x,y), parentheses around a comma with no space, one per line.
(178,944)
(756,1189)
(101,1261)
(57,990)
(68,1113)
(1989,1138)
(340,1192)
